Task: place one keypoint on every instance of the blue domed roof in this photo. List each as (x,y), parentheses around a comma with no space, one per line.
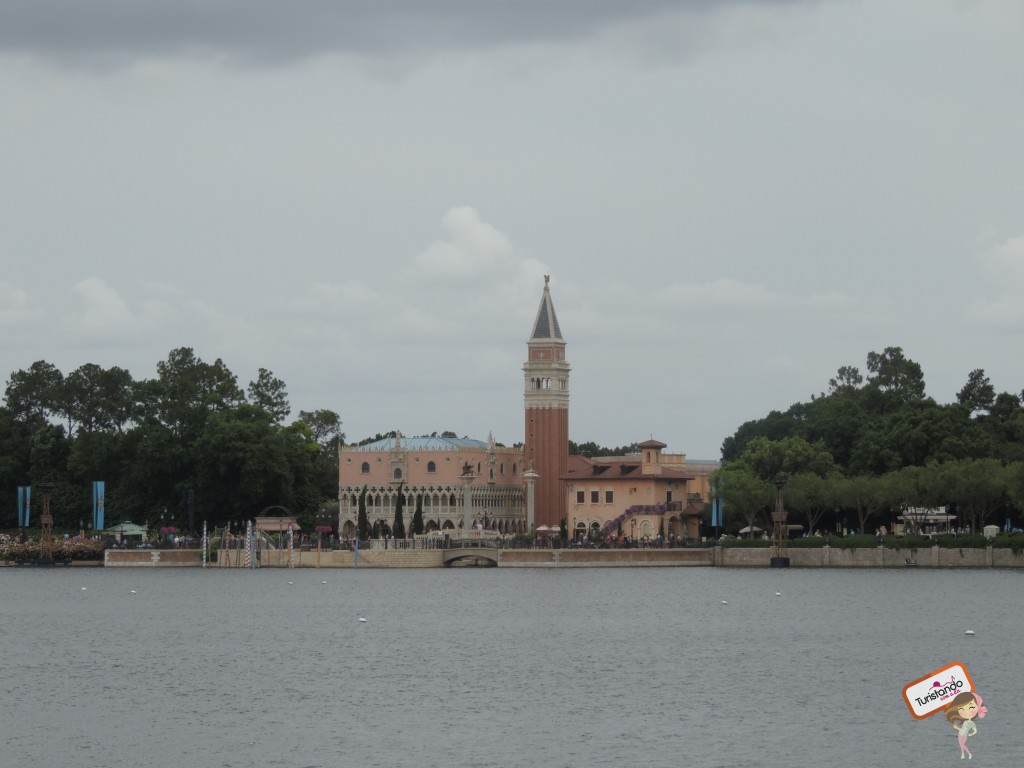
(427,443)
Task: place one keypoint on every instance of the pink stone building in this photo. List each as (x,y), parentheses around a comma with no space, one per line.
(642,492)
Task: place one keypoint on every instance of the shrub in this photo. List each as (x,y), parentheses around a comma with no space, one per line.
(63,549)
(949,541)
(746,543)
(912,543)
(1014,542)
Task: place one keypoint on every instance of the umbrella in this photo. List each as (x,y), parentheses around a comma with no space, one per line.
(747,529)
(127,529)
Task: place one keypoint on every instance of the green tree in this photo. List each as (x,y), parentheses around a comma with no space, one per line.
(269,393)
(791,455)
(846,382)
(895,374)
(810,496)
(363,523)
(417,517)
(325,426)
(34,395)
(94,399)
(187,390)
(744,493)
(978,394)
(1015,484)
(912,491)
(979,487)
(398,529)
(863,494)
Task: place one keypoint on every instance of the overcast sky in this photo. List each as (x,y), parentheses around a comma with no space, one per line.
(733,199)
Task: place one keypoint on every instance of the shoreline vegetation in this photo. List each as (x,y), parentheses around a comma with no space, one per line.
(873,452)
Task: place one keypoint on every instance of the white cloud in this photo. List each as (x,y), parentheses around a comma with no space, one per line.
(104,311)
(1003,309)
(15,307)
(474,250)
(345,297)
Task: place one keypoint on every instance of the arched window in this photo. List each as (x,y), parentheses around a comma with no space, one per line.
(398,473)
(365,469)
(431,466)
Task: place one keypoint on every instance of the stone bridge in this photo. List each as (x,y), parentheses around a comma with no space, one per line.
(483,552)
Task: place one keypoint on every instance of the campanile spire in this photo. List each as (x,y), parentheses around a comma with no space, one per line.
(546,400)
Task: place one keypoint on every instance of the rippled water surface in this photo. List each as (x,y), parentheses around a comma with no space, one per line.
(499,667)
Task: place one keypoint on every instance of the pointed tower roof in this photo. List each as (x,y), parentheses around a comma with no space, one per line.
(545,327)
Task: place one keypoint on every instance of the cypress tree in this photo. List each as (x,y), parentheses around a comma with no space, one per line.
(417,517)
(398,529)
(364,523)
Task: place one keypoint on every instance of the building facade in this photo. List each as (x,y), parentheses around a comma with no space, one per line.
(430,472)
(546,401)
(642,493)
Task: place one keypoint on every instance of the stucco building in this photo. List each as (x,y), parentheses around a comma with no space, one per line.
(639,495)
(430,471)
(638,492)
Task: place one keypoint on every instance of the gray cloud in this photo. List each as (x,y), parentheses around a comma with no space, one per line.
(267,29)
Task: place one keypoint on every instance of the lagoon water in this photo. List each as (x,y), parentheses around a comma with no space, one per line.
(499,667)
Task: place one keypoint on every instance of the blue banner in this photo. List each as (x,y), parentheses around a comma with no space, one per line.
(717,505)
(24,505)
(98,488)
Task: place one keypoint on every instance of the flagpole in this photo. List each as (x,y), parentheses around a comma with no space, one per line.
(247,558)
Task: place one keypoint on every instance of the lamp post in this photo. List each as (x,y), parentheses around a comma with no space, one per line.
(46,535)
(780,531)
(632,525)
(467,479)
(531,477)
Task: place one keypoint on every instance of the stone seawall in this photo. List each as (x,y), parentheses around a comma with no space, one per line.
(602,558)
(368,558)
(877,557)
(729,557)
(150,558)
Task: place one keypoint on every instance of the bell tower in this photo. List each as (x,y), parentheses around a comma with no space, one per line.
(546,399)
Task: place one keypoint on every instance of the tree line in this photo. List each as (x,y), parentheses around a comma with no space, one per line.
(870,448)
(191,435)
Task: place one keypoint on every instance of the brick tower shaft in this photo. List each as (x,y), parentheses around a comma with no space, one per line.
(546,400)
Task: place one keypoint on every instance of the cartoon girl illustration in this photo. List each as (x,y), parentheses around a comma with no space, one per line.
(961,713)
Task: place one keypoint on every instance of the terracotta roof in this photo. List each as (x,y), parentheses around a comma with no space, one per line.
(586,469)
(652,444)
